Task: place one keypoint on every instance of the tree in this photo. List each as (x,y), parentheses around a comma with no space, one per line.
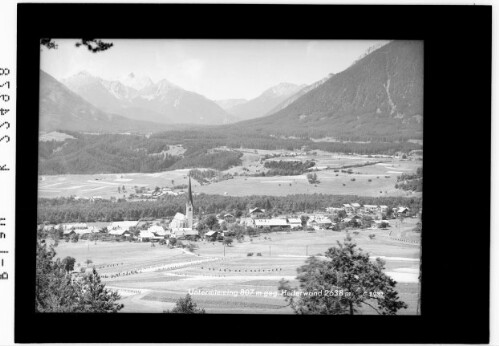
(68,264)
(304,219)
(351,280)
(228,241)
(210,221)
(185,306)
(94,297)
(172,241)
(312,178)
(94,45)
(55,291)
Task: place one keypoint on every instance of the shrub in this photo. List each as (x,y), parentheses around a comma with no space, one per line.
(259,254)
(249,254)
(371,236)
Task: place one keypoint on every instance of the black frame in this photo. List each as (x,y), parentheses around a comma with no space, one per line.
(457,107)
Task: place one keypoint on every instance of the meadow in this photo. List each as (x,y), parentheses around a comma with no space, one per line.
(374,180)
(224,279)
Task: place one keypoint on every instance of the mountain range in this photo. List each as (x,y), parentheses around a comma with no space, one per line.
(139,98)
(380,96)
(62,109)
(265,102)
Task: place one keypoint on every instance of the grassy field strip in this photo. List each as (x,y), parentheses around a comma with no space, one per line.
(403,277)
(395,258)
(126,292)
(155,268)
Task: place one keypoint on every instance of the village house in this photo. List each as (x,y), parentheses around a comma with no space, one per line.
(158,231)
(211,235)
(256,212)
(74,226)
(370,209)
(271,223)
(97,226)
(334,211)
(183,233)
(400,211)
(229,218)
(294,222)
(319,222)
(355,206)
(120,232)
(247,222)
(146,236)
(348,208)
(125,225)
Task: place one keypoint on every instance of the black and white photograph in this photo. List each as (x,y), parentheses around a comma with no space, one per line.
(247,173)
(224,176)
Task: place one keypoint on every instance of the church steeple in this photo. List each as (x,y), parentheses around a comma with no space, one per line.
(189,206)
(189,193)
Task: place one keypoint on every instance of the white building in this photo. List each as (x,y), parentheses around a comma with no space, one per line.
(125,225)
(294,222)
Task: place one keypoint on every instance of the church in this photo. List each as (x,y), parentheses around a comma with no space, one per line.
(181,224)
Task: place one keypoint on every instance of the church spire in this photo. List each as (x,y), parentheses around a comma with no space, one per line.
(189,193)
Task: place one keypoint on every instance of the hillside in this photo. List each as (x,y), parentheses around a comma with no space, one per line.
(378,97)
(62,109)
(139,98)
(265,102)
(299,94)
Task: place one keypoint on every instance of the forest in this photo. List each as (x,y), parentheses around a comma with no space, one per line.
(60,210)
(287,167)
(124,153)
(411,182)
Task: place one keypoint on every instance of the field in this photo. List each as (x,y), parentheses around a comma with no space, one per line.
(106,185)
(374,180)
(226,280)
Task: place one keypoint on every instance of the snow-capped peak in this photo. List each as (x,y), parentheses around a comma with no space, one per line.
(136,82)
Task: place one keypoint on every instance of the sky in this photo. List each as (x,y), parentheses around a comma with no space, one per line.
(216,69)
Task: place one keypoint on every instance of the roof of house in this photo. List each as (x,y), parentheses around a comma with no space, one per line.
(155,229)
(346,205)
(271,222)
(356,205)
(210,233)
(123,224)
(74,225)
(99,225)
(370,206)
(184,231)
(256,210)
(294,220)
(118,231)
(83,231)
(146,234)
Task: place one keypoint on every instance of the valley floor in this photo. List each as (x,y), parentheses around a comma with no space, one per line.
(227,280)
